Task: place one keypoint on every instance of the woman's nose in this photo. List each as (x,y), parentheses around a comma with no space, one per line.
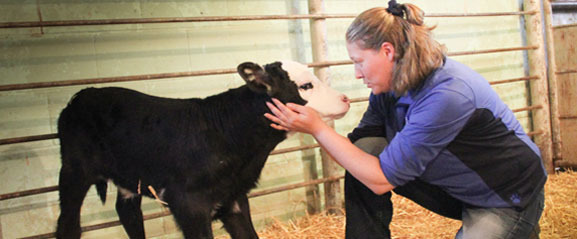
(358,74)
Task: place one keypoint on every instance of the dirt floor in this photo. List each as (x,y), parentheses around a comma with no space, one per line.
(559,218)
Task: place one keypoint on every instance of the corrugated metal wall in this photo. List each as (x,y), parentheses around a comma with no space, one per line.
(44,54)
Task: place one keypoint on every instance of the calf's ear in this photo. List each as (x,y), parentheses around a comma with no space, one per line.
(254,76)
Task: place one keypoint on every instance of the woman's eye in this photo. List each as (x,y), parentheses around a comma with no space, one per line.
(306,86)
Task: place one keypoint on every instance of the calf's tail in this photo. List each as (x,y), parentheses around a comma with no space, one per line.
(101,188)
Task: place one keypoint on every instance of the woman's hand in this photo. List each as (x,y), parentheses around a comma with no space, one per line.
(365,167)
(293,117)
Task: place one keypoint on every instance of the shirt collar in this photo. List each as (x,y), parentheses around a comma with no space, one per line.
(414,94)
(406,99)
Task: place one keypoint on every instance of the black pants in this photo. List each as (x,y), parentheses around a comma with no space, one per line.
(369,215)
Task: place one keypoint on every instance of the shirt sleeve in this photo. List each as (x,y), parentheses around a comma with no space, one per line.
(431,124)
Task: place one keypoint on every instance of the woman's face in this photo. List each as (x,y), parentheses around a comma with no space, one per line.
(375,67)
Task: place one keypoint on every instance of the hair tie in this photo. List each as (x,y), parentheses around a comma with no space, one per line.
(395,8)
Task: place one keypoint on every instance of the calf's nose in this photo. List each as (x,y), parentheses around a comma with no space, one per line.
(345,99)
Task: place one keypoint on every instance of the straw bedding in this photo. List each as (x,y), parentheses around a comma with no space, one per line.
(559,218)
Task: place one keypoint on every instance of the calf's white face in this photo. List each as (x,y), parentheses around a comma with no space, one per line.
(329,103)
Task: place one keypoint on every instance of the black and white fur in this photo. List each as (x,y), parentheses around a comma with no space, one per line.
(200,156)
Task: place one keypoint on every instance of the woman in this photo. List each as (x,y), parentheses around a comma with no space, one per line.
(453,146)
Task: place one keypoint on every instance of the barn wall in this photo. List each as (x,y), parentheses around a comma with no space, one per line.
(566,59)
(30,55)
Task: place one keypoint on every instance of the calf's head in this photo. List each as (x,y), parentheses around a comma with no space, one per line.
(282,80)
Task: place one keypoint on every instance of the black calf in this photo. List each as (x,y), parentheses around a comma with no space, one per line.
(200,156)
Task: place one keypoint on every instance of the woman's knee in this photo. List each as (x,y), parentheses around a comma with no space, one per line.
(372,145)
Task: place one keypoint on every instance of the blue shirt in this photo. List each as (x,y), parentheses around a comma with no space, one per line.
(455,132)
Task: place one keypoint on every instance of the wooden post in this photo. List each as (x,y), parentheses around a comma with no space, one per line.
(539,88)
(310,173)
(320,54)
(553,87)
(308,159)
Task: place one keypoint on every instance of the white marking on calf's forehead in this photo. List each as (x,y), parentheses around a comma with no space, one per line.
(328,102)
(298,72)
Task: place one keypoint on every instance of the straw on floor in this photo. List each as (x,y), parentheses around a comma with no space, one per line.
(559,218)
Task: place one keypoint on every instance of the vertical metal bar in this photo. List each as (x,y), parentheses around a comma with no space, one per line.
(526,70)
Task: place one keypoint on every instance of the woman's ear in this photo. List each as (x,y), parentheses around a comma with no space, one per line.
(388,50)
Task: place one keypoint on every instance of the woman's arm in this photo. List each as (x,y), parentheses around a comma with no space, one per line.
(363,166)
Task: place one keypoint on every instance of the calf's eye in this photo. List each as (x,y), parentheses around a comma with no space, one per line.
(306,86)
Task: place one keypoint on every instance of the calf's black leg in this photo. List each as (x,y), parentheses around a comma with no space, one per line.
(130,215)
(72,187)
(237,221)
(191,213)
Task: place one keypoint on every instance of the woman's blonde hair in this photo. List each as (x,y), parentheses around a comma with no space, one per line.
(417,54)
